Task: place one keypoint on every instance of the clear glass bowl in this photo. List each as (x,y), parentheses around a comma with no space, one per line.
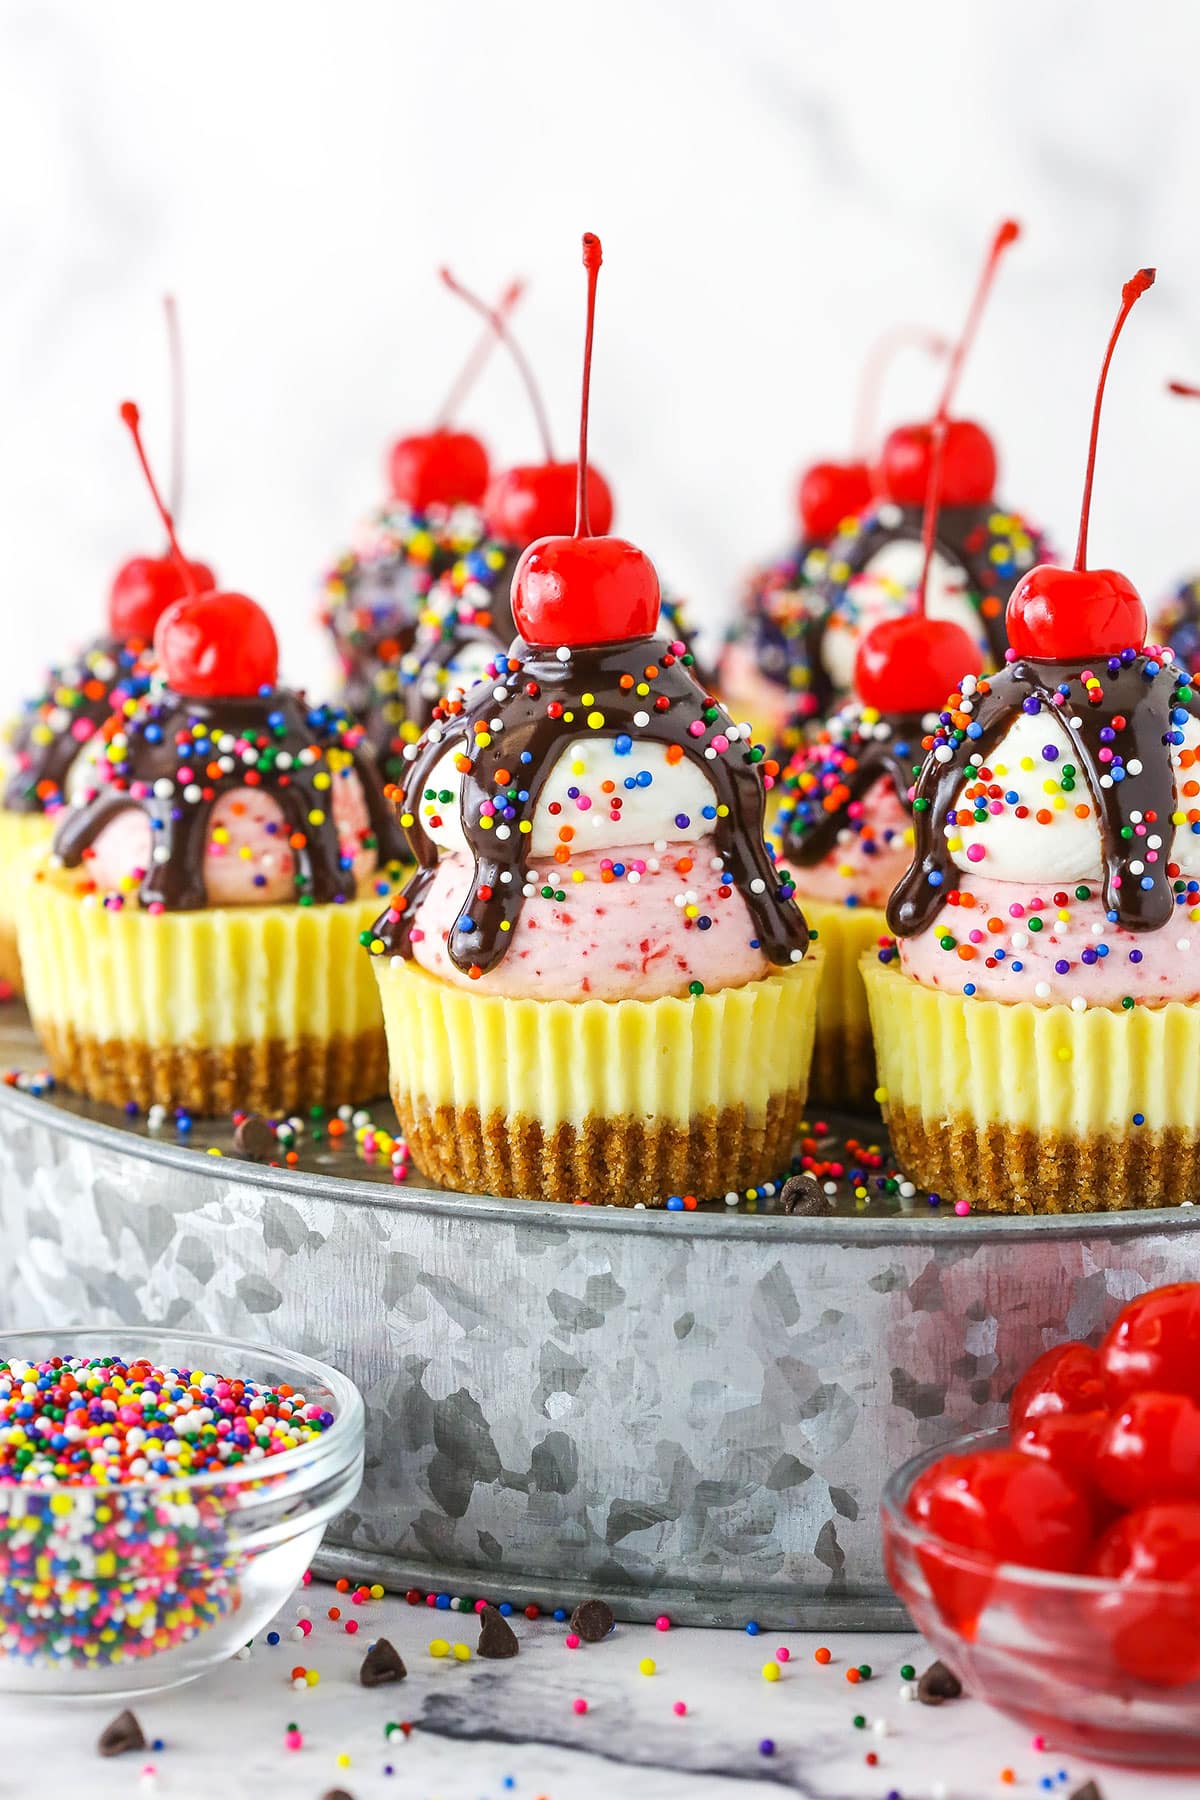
(1106,1668)
(120,1590)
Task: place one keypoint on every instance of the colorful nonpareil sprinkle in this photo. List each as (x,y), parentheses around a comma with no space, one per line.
(1093,775)
(107,1553)
(374,599)
(101,1421)
(260,798)
(72,712)
(845,804)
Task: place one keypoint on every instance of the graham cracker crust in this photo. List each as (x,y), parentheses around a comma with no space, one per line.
(1013,1169)
(607,1162)
(270,1077)
(843,1077)
(10,960)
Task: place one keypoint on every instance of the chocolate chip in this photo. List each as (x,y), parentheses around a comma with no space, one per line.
(938,1683)
(497,1639)
(256,1139)
(121,1734)
(337,1794)
(593,1620)
(804,1194)
(381,1664)
(1089,1791)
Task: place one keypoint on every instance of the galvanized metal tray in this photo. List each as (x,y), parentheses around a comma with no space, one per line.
(687,1412)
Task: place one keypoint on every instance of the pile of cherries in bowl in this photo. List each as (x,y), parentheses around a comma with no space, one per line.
(1056,1564)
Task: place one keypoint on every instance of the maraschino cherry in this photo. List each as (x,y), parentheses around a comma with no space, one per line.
(1060,614)
(905,464)
(443,467)
(829,493)
(911,663)
(533,500)
(583,589)
(145,586)
(209,645)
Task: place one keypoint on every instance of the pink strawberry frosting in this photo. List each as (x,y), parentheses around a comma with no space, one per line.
(865,866)
(664,922)
(1018,942)
(248,861)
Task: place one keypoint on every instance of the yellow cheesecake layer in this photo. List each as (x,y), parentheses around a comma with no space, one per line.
(20,835)
(568,1062)
(221,976)
(843,1068)
(1046,1068)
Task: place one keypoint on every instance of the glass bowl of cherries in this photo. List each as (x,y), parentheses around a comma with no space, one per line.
(1055,1564)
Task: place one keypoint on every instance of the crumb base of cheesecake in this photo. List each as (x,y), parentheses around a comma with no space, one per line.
(1013,1169)
(618,1161)
(273,1076)
(844,1077)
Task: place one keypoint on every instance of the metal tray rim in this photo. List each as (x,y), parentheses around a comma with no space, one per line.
(900,1228)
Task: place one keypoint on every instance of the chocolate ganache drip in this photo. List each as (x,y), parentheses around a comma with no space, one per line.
(991,546)
(374,594)
(476,614)
(781,627)
(857,750)
(51,731)
(180,756)
(511,732)
(1122,716)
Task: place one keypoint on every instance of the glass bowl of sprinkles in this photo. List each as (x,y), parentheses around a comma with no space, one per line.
(1101,1666)
(160,1496)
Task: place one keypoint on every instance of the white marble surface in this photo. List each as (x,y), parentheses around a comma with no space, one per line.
(297,171)
(478,1724)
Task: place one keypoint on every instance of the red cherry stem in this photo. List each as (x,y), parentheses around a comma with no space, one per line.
(1006,233)
(879,360)
(496,320)
(471,370)
(593,256)
(131,417)
(1130,294)
(175,364)
(933,501)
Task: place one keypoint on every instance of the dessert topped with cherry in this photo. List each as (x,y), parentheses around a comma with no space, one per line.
(981,547)
(767,664)
(373,596)
(217,786)
(467,618)
(49,738)
(588,820)
(847,791)
(1057,840)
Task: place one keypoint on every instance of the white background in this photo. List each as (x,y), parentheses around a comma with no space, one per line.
(774,183)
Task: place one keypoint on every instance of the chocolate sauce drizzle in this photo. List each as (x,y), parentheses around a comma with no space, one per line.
(40,766)
(965,536)
(162,747)
(807,829)
(780,626)
(376,616)
(1137,690)
(426,672)
(373,599)
(527,738)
